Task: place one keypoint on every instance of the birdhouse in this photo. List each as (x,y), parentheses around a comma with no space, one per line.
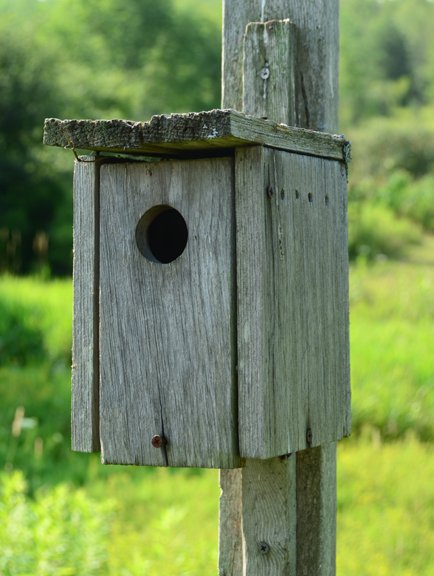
(210,289)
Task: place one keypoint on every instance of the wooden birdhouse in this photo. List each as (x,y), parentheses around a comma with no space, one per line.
(210,289)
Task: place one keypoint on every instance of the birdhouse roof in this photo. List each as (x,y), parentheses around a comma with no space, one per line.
(215,132)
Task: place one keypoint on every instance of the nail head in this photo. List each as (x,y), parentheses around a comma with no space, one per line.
(158,441)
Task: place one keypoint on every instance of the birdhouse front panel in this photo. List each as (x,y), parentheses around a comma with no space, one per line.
(167,357)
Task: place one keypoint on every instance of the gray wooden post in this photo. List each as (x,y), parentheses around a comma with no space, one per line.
(278,516)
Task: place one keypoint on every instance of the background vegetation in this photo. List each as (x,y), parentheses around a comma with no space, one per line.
(135,58)
(63,513)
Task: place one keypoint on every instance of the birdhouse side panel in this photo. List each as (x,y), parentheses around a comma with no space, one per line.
(293,343)
(85,386)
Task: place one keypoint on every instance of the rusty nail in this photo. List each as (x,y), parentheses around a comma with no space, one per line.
(309,437)
(158,441)
(263,547)
(270,191)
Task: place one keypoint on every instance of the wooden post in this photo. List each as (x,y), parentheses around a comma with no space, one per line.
(278,516)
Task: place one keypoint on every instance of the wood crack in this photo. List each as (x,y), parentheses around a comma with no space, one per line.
(163,435)
(305,100)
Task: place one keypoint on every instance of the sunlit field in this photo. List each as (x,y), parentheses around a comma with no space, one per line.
(65,513)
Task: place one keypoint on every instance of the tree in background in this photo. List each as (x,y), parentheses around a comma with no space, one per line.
(387,89)
(387,57)
(31,197)
(136,58)
(89,58)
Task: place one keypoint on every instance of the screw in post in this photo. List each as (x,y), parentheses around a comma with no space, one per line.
(309,436)
(265,71)
(263,547)
(269,190)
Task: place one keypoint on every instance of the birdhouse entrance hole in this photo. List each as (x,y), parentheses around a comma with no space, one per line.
(161,234)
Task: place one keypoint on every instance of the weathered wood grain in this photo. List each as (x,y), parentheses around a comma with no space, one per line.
(167,330)
(293,359)
(85,369)
(316,511)
(183,134)
(258,508)
(317,53)
(268,72)
(316,86)
(269,517)
(230,524)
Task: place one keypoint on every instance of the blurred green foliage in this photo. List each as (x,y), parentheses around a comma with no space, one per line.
(60,532)
(64,513)
(392,333)
(21,338)
(87,58)
(391,191)
(135,58)
(385,508)
(387,57)
(375,232)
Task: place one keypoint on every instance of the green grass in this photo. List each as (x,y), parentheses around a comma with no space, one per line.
(167,523)
(392,337)
(385,508)
(136,523)
(385,515)
(59,532)
(42,308)
(61,512)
